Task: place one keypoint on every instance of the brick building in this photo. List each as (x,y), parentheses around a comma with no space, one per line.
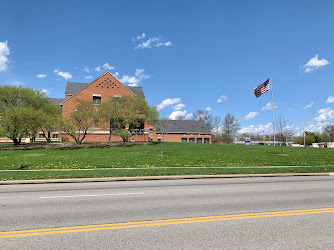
(106,86)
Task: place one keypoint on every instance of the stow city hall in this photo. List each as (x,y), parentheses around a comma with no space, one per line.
(106,86)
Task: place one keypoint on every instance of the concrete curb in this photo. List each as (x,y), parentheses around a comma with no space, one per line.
(165,177)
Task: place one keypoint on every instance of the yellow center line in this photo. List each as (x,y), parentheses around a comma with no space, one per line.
(87,228)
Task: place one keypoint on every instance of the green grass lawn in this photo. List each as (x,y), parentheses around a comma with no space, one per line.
(209,157)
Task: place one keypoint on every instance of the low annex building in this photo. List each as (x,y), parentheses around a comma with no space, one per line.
(106,86)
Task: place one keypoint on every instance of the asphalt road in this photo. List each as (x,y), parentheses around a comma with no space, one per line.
(243,213)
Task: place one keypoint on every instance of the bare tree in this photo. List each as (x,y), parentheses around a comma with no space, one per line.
(231,125)
(282,131)
(204,115)
(289,133)
(180,117)
(216,124)
(329,130)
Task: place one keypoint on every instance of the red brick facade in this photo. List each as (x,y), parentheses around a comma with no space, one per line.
(106,86)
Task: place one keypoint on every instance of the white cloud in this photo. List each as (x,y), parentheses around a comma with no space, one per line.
(309,105)
(188,116)
(222,98)
(88,77)
(150,42)
(168,102)
(291,110)
(315,126)
(251,115)
(314,63)
(325,114)
(167,44)
(268,107)
(87,69)
(43,91)
(98,69)
(16,83)
(330,99)
(4,53)
(106,66)
(41,75)
(179,106)
(139,37)
(177,114)
(208,109)
(136,79)
(116,74)
(257,129)
(66,75)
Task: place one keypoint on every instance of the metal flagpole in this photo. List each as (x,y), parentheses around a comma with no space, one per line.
(272,106)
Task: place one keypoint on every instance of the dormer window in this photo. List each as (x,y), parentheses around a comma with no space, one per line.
(96,98)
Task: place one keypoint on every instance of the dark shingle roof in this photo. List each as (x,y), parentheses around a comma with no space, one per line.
(74,87)
(183,127)
(138,91)
(57,101)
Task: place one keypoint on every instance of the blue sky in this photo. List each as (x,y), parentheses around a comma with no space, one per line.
(186,55)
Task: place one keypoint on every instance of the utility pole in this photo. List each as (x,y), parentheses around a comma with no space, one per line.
(304,135)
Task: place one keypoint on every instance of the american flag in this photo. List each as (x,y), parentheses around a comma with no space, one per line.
(262,88)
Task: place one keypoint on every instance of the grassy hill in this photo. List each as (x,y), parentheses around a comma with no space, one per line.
(179,158)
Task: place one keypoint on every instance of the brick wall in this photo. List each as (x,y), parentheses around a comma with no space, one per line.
(174,137)
(106,85)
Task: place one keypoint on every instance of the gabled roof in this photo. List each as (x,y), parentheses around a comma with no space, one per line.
(138,91)
(57,101)
(182,127)
(74,87)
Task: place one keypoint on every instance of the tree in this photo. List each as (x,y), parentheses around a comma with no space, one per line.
(20,110)
(216,124)
(329,130)
(204,115)
(316,138)
(50,119)
(216,130)
(79,121)
(226,138)
(310,138)
(117,112)
(123,133)
(281,130)
(231,125)
(16,122)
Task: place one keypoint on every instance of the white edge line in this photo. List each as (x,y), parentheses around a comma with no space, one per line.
(87,195)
